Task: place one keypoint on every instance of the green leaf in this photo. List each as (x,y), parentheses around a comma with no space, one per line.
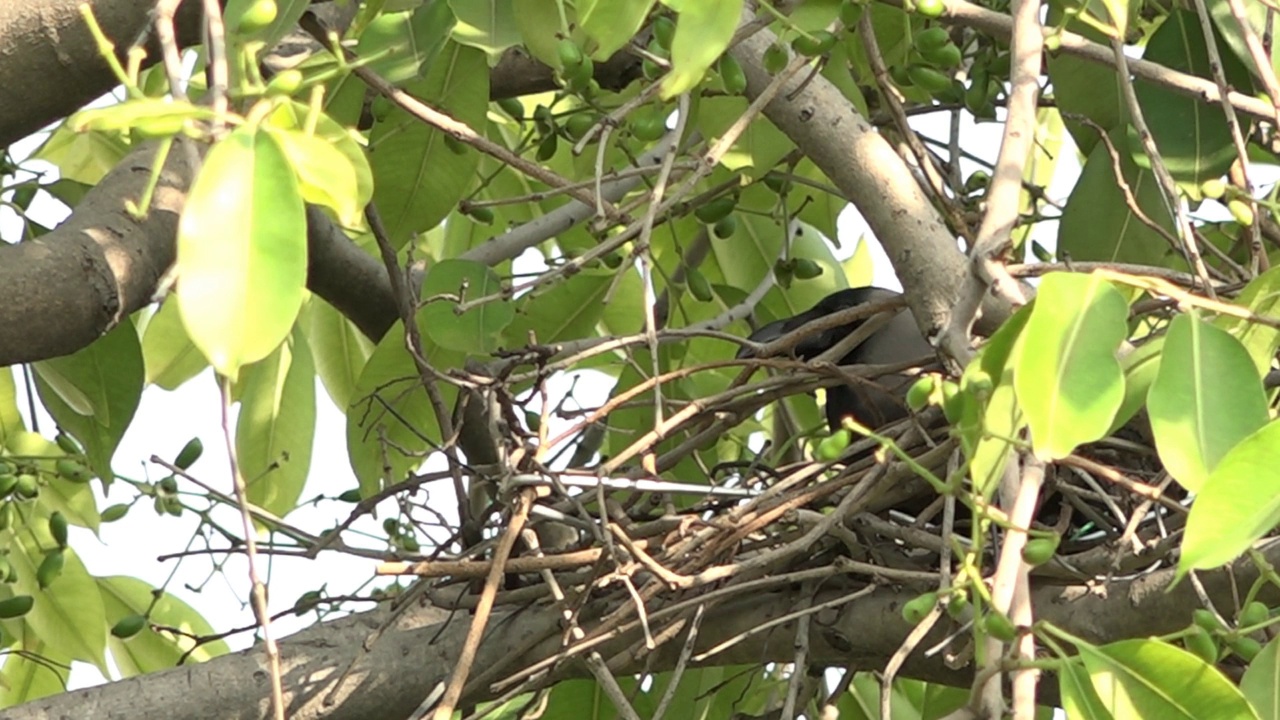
(148,114)
(1084,88)
(339,349)
(539,24)
(986,431)
(10,417)
(1239,503)
(611,23)
(703,31)
(107,377)
(489,26)
(1066,374)
(242,251)
(1206,398)
(390,424)
(297,116)
(68,615)
(566,311)
(1261,682)
(39,672)
(1258,16)
(82,157)
(401,45)
(276,425)
(476,330)
(418,179)
(170,357)
(1078,697)
(74,500)
(151,651)
(326,176)
(1153,679)
(761,147)
(1192,136)
(1140,368)
(1097,223)
(1262,296)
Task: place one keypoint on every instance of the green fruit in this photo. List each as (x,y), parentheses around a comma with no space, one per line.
(482,215)
(735,81)
(833,446)
(850,13)
(579,125)
(409,543)
(381,108)
(1213,189)
(259,15)
(919,607)
(285,82)
(664,31)
(350,496)
(928,79)
(775,59)
(73,471)
(1241,211)
(16,606)
(171,505)
(512,107)
(579,76)
(7,573)
(649,125)
(946,57)
(979,180)
(725,229)
(547,148)
(1246,647)
(50,568)
(806,269)
(1040,550)
(58,528)
(8,482)
(169,485)
(814,44)
(306,601)
(129,626)
(7,514)
(979,383)
(953,401)
(391,527)
(612,260)
(699,287)
(542,118)
(68,444)
(716,210)
(570,54)
(27,486)
(114,513)
(958,604)
(930,8)
(189,453)
(777,182)
(1206,619)
(999,627)
(1255,613)
(920,392)
(456,146)
(1200,643)
(900,77)
(932,38)
(975,98)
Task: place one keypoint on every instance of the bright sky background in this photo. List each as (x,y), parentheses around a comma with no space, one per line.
(167,420)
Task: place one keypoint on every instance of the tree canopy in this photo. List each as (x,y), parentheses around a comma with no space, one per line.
(522,246)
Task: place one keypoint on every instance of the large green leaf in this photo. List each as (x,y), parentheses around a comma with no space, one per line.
(1263,21)
(418,177)
(85,157)
(151,651)
(475,331)
(390,424)
(1078,697)
(1262,296)
(567,311)
(10,417)
(611,23)
(93,393)
(242,251)
(339,349)
(276,425)
(489,25)
(987,431)
(1192,136)
(1066,374)
(1097,223)
(1153,679)
(1084,88)
(1239,503)
(1207,397)
(1261,681)
(703,31)
(170,357)
(39,672)
(68,614)
(331,173)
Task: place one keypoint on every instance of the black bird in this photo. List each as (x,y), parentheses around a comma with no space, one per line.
(873,404)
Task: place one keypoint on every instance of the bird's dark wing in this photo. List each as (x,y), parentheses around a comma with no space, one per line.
(872,404)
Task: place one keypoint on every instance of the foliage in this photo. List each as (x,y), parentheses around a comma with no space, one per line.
(1140,366)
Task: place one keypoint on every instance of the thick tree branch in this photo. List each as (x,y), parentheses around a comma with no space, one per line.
(409,662)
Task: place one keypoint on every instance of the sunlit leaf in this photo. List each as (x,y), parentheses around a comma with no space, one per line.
(1153,679)
(151,651)
(242,251)
(1206,398)
(489,26)
(170,356)
(1239,503)
(339,349)
(1067,376)
(703,31)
